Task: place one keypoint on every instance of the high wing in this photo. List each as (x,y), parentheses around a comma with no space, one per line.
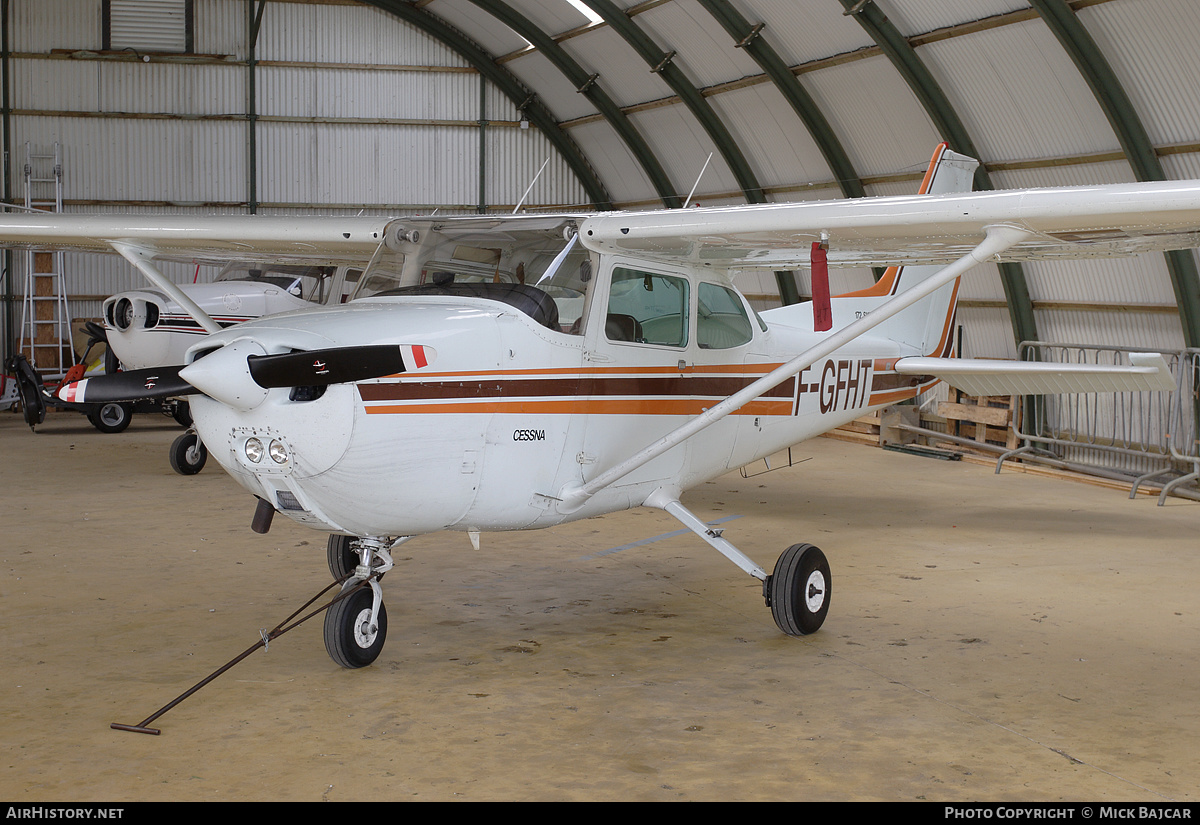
(201,237)
(144,240)
(303,238)
(1069,222)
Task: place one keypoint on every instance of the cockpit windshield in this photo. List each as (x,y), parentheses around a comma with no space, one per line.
(540,266)
(310,283)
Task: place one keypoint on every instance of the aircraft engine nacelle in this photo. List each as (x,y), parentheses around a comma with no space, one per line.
(316,453)
(133,320)
(146,329)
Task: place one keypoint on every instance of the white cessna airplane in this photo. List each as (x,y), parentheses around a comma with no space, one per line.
(618,367)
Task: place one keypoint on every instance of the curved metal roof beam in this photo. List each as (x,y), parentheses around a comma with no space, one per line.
(749,37)
(483,62)
(904,58)
(663,64)
(1135,142)
(586,85)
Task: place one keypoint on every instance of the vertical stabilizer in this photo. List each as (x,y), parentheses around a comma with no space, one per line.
(925,326)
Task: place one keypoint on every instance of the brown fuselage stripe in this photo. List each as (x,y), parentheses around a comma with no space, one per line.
(576,387)
(647,392)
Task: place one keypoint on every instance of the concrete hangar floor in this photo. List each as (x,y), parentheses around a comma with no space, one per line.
(1002,638)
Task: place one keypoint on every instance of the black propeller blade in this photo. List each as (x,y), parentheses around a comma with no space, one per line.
(318,368)
(135,385)
(309,368)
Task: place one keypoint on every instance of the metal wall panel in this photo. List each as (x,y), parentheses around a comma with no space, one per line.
(221,28)
(616,165)
(42,25)
(1036,107)
(707,55)
(1125,329)
(346,34)
(913,17)
(682,147)
(563,100)
(986,333)
(874,114)
(776,143)
(514,157)
(1151,46)
(627,78)
(307,92)
(804,32)
(354,165)
(175,88)
(480,26)
(176,161)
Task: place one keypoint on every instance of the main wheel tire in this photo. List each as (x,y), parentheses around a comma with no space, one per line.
(800,590)
(341,556)
(188,454)
(111,417)
(349,639)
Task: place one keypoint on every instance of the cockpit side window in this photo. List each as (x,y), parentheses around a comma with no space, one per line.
(647,308)
(722,322)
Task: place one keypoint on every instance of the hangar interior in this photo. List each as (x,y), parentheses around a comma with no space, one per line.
(460,107)
(478,106)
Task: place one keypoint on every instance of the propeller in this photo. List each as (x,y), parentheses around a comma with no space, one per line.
(318,368)
(134,385)
(239,374)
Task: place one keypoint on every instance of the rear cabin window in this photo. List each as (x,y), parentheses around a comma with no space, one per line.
(647,308)
(721,322)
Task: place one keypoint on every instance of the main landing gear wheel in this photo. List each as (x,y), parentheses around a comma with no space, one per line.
(111,417)
(798,591)
(350,638)
(188,454)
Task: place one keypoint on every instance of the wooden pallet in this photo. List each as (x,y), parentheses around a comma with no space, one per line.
(862,430)
(984,419)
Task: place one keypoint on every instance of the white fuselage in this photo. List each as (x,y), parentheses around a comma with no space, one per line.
(504,413)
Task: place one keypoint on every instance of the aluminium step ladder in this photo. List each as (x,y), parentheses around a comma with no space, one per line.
(45,313)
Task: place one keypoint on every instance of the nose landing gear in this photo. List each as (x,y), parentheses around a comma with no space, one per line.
(356,624)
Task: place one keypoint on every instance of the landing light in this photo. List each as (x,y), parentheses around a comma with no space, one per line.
(254,449)
(278,452)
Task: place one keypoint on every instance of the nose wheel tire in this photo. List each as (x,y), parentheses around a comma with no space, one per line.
(342,558)
(350,638)
(799,589)
(188,454)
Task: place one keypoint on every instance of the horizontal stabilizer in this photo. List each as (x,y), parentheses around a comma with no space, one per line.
(1149,372)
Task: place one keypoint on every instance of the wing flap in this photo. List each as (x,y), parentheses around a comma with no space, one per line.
(1148,373)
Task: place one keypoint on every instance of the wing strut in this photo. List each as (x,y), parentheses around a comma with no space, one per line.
(999,237)
(140,258)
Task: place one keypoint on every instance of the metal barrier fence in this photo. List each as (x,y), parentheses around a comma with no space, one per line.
(1140,437)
